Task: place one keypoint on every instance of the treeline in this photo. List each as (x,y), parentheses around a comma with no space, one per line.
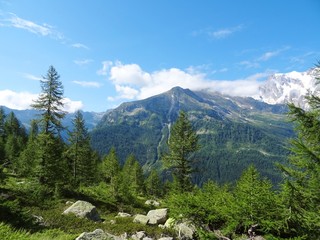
(54,169)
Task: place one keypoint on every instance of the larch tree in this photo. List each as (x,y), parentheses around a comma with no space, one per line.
(50,102)
(51,168)
(302,174)
(183,141)
(79,153)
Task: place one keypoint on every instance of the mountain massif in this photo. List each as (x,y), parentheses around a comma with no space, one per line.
(233,132)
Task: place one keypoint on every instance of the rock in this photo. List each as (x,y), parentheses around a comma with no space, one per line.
(143,219)
(152,203)
(99,234)
(166,238)
(147,238)
(84,209)
(138,235)
(157,216)
(69,202)
(185,230)
(122,215)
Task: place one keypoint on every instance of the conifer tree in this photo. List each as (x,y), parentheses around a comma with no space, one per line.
(182,142)
(111,171)
(132,175)
(50,102)
(79,153)
(301,188)
(256,203)
(16,138)
(52,167)
(153,184)
(27,159)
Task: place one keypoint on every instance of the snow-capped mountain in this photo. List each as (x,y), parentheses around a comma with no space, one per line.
(282,88)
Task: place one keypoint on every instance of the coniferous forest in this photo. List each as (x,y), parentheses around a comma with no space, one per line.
(40,171)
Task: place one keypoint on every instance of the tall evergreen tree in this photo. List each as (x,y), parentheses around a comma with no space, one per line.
(50,102)
(154,186)
(301,188)
(27,159)
(110,169)
(255,203)
(182,142)
(79,153)
(16,138)
(51,169)
(132,175)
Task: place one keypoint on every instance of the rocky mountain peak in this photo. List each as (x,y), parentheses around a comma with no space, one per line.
(292,87)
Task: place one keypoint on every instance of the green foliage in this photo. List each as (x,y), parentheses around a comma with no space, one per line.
(154,186)
(132,176)
(301,188)
(9,233)
(81,158)
(50,102)
(182,143)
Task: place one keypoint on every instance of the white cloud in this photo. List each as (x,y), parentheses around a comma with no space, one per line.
(226,32)
(12,20)
(267,55)
(106,65)
(132,83)
(87,84)
(83,62)
(16,100)
(80,45)
(72,106)
(32,77)
(23,100)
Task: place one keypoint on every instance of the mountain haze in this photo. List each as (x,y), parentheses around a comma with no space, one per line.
(234,132)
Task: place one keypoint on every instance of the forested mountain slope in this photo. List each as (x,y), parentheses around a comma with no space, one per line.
(233,132)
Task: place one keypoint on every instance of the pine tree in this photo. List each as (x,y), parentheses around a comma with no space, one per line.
(182,142)
(79,153)
(301,188)
(2,143)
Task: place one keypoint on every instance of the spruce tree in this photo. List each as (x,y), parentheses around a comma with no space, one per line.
(182,142)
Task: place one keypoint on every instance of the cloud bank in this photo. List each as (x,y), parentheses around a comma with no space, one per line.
(131,82)
(23,100)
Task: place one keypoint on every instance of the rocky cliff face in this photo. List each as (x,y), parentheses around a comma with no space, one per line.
(283,88)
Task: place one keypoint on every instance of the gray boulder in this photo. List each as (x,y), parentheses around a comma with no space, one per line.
(97,234)
(143,219)
(83,209)
(157,216)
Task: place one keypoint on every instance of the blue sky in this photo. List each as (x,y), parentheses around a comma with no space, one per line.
(112,51)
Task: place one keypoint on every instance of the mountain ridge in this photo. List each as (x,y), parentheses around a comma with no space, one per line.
(234,132)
